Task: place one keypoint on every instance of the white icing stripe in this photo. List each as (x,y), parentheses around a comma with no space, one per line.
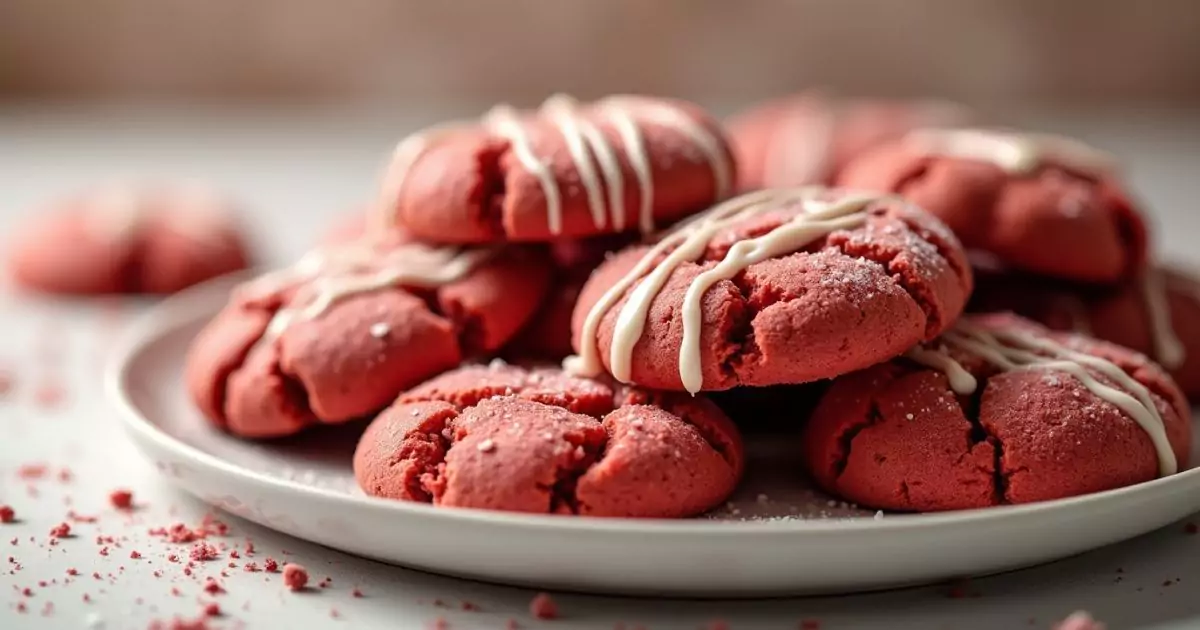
(1168,349)
(1016,153)
(505,121)
(335,273)
(589,148)
(1011,350)
(688,242)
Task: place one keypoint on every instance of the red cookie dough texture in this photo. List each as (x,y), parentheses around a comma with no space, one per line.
(292,350)
(857,280)
(621,164)
(808,138)
(1157,313)
(548,335)
(1038,203)
(502,437)
(903,436)
(128,239)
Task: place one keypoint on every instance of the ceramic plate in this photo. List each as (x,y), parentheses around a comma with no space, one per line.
(776,537)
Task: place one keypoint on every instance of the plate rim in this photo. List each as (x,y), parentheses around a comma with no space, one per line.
(173,314)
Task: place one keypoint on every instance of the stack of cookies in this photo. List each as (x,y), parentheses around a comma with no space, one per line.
(534,310)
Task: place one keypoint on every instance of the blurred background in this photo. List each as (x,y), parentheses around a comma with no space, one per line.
(987,53)
(292,104)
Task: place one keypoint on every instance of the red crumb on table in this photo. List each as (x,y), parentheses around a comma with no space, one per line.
(65,475)
(135,554)
(30,472)
(62,530)
(440,623)
(203,551)
(49,394)
(72,571)
(470,606)
(80,518)
(212,609)
(1190,529)
(7,514)
(1079,620)
(179,623)
(27,592)
(270,565)
(294,576)
(357,592)
(512,624)
(212,587)
(6,383)
(250,567)
(121,499)
(542,606)
(333,612)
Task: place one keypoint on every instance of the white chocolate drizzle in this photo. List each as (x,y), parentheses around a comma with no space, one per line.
(1168,349)
(596,159)
(331,274)
(1015,153)
(1011,349)
(824,212)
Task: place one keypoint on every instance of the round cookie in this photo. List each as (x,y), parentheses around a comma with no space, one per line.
(773,287)
(1156,313)
(502,437)
(566,170)
(144,238)
(337,335)
(808,138)
(1038,203)
(998,410)
(547,336)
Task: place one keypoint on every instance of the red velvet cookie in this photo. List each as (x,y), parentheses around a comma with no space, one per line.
(808,138)
(340,333)
(547,336)
(999,410)
(778,286)
(1157,313)
(128,239)
(501,437)
(566,170)
(1038,203)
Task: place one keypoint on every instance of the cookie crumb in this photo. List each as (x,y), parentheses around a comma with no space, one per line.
(542,606)
(121,499)
(294,576)
(7,514)
(203,551)
(212,609)
(212,587)
(270,565)
(357,593)
(62,530)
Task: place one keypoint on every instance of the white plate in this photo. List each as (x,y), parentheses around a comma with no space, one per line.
(790,541)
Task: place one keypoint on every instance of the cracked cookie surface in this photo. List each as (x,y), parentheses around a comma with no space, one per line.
(898,435)
(564,170)
(340,344)
(846,299)
(153,238)
(1023,198)
(503,437)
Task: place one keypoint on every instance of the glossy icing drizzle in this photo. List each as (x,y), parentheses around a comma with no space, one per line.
(1015,153)
(1168,350)
(687,243)
(1009,350)
(335,273)
(595,157)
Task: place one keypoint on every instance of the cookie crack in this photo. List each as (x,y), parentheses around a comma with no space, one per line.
(493,186)
(971,404)
(569,468)
(846,439)
(885,260)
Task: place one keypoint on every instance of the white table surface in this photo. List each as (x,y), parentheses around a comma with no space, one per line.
(295,172)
